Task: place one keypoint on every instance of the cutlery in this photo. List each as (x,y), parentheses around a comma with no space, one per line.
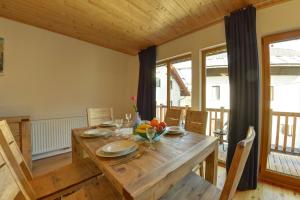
(127,159)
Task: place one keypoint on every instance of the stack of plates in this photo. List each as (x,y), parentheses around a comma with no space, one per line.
(117,148)
(108,124)
(96,133)
(175,130)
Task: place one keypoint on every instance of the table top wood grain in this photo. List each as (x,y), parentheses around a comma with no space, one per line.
(152,174)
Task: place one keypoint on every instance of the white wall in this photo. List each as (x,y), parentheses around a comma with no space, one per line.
(48,75)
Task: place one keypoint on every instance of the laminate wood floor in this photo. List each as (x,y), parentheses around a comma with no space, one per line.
(264,191)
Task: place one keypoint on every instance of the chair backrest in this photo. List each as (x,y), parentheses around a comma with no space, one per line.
(195,121)
(9,139)
(172,117)
(236,169)
(96,116)
(13,183)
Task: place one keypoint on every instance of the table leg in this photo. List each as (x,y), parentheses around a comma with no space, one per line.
(76,150)
(212,166)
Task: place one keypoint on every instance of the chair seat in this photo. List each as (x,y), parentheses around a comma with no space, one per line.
(65,179)
(193,187)
(102,189)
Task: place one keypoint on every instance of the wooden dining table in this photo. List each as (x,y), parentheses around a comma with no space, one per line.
(151,174)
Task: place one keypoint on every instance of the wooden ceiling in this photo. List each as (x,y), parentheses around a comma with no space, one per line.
(123,25)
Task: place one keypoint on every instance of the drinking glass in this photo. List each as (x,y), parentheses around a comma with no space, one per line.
(150,132)
(128,117)
(118,123)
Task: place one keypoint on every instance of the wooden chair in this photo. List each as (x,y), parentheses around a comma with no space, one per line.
(10,186)
(14,184)
(96,116)
(195,121)
(195,187)
(173,117)
(53,184)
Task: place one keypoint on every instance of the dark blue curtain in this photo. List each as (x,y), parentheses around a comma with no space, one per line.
(243,70)
(147,83)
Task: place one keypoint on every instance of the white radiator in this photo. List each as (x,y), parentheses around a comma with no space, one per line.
(53,136)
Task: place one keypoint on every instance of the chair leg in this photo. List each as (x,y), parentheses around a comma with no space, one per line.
(201,169)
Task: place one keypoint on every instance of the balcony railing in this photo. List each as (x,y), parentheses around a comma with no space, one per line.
(285,132)
(217,117)
(162,109)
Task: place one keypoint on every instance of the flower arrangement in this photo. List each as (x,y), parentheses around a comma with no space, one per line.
(133,99)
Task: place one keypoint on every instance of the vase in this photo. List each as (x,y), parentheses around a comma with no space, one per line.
(137,120)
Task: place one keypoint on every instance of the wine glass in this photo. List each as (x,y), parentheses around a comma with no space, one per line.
(128,117)
(118,123)
(150,132)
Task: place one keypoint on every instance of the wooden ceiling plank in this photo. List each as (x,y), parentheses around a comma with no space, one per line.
(63,28)
(158,13)
(124,25)
(105,17)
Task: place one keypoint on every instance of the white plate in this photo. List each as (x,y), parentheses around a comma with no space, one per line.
(96,133)
(108,124)
(175,130)
(100,153)
(118,146)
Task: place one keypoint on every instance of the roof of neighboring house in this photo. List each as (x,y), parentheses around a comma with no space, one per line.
(279,57)
(284,57)
(183,88)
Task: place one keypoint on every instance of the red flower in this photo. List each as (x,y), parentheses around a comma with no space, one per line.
(133,98)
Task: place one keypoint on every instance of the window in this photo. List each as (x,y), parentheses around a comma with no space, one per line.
(161,85)
(181,78)
(157,82)
(175,77)
(215,95)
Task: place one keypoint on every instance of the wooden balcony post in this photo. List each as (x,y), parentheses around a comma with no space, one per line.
(270,132)
(216,117)
(277,132)
(294,133)
(221,117)
(286,130)
(210,120)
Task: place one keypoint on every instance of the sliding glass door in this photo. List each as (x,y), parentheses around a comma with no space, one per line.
(280,160)
(215,95)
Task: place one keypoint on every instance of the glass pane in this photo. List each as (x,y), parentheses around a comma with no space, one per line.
(161,85)
(285,105)
(217,98)
(285,76)
(181,84)
(217,81)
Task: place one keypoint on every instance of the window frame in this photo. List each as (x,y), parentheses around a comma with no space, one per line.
(168,63)
(206,53)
